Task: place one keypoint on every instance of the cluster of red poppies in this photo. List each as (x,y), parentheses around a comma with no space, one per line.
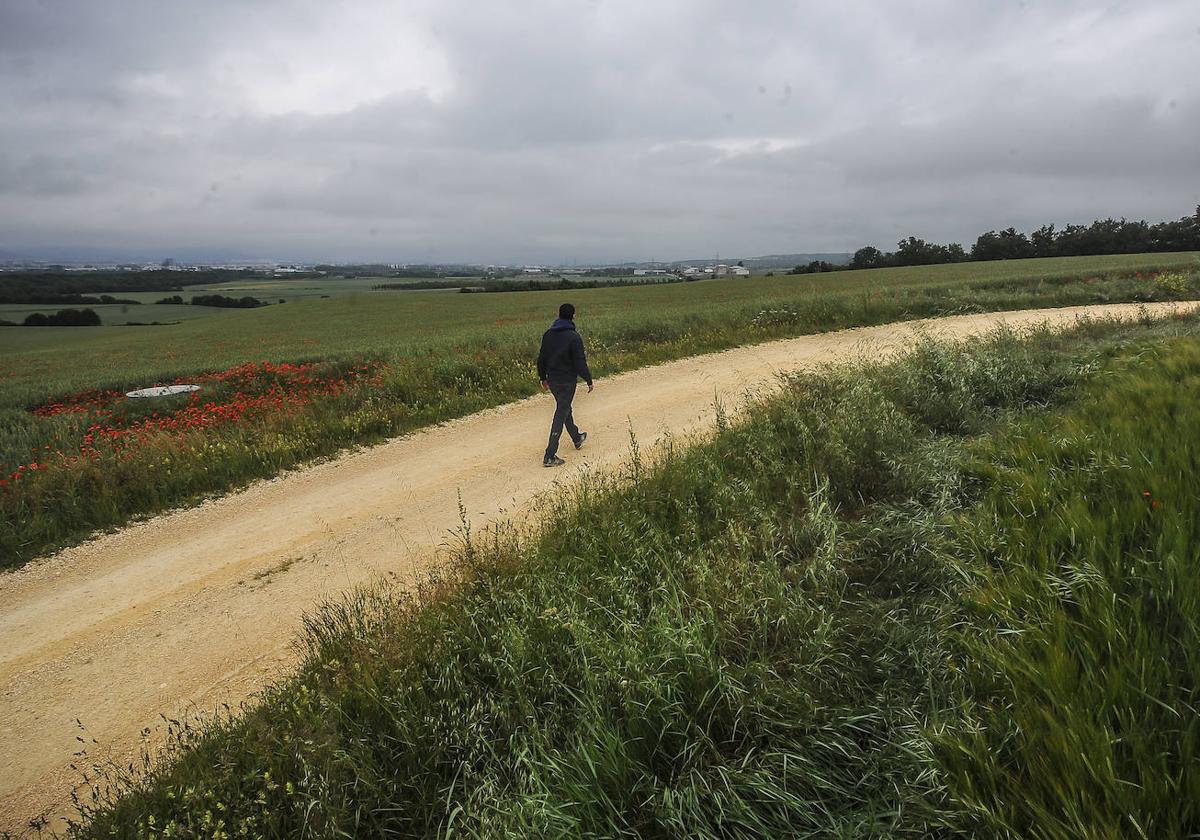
(79,403)
(240,394)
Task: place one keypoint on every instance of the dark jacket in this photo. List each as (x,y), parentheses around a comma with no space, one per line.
(562,358)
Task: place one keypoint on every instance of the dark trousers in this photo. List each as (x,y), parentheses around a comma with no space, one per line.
(564,393)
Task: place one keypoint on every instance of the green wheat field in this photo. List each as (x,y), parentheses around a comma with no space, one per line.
(433,356)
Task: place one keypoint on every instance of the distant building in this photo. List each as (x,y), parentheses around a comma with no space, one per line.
(718,270)
(641,272)
(723,270)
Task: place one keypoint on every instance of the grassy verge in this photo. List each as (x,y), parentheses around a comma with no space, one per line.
(1082,645)
(752,636)
(51,496)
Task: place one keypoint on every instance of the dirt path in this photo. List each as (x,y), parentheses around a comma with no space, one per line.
(198,607)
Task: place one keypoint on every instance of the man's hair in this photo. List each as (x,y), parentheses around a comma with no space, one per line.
(566,311)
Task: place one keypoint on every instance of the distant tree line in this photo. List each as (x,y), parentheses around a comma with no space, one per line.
(415,272)
(65,300)
(420,285)
(221,301)
(608,271)
(545,283)
(1103,236)
(63,287)
(214,300)
(816,267)
(554,284)
(64,318)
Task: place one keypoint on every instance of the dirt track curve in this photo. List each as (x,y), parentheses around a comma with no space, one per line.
(198,607)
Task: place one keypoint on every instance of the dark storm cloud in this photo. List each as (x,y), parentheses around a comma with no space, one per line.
(592,130)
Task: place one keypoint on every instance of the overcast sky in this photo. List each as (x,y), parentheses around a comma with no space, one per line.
(532,131)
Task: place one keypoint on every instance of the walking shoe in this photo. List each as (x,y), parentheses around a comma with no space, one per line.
(553,462)
(582,440)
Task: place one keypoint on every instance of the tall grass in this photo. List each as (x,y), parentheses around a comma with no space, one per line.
(1083,641)
(747,637)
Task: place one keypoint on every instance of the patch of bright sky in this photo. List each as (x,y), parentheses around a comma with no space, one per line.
(363,54)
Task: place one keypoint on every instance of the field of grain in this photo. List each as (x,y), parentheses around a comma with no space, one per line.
(290,382)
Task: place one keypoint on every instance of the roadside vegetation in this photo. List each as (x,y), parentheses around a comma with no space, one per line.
(1081,646)
(433,357)
(952,595)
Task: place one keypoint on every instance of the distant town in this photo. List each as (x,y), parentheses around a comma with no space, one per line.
(689,269)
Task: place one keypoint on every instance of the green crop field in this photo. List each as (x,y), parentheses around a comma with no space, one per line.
(75,458)
(111,314)
(272,289)
(148,310)
(953,595)
(269,290)
(356,320)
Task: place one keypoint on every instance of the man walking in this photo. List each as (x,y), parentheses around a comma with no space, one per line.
(560,364)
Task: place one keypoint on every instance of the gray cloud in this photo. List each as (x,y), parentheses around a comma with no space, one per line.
(542,130)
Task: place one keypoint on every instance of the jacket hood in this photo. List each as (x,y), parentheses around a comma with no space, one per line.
(562,324)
